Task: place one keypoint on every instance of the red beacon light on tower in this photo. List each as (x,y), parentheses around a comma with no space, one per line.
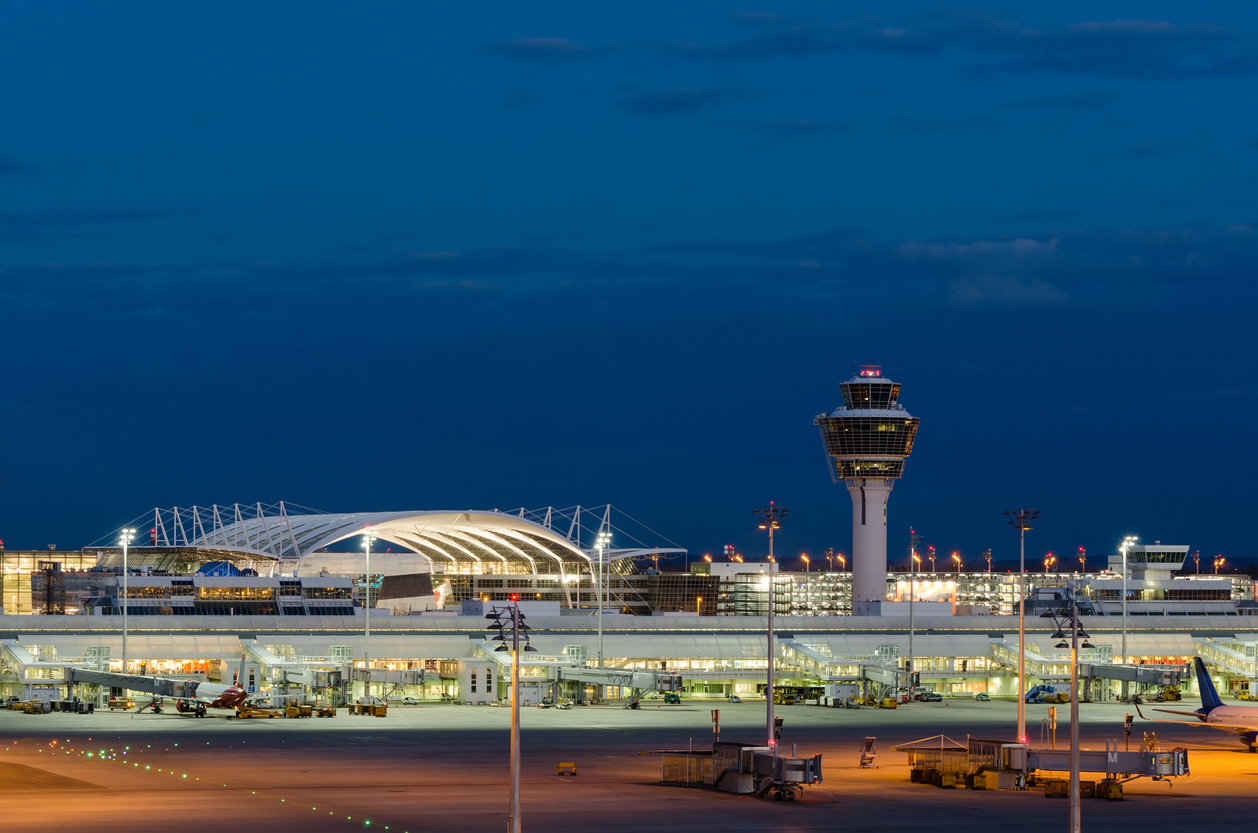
(871,370)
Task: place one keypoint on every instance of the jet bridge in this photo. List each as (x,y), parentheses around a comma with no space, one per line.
(623,677)
(40,678)
(158,686)
(567,667)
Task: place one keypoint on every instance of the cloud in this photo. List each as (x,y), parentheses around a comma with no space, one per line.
(1042,216)
(922,123)
(988,290)
(543,50)
(787,42)
(800,127)
(1102,269)
(1082,101)
(1143,49)
(10,164)
(1144,150)
(670,102)
(23,227)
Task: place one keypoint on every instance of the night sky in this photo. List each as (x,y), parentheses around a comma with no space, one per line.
(397,256)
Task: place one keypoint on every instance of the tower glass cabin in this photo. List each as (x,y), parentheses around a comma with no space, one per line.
(867,440)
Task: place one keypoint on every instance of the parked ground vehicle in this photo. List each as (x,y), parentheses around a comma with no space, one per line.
(735,699)
(409,701)
(933,697)
(672,697)
(982,697)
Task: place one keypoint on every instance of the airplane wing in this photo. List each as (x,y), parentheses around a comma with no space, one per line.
(1162,720)
(1172,711)
(1226,727)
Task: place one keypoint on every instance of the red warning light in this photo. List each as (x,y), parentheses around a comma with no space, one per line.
(515,597)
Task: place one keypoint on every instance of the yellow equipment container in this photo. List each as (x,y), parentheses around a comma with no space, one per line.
(325,711)
(378,711)
(1057,789)
(567,768)
(1109,790)
(888,703)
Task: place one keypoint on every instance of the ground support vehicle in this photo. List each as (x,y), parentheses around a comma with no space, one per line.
(190,707)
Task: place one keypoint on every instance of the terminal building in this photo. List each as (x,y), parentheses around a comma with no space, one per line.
(289,604)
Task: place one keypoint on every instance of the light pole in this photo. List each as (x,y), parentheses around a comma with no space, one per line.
(769,519)
(517,627)
(1218,562)
(914,561)
(987,553)
(126,537)
(957,558)
(698,601)
(1127,544)
(1083,560)
(369,538)
(842,561)
(604,538)
(807,563)
(515,713)
(1020,519)
(1075,633)
(830,558)
(931,555)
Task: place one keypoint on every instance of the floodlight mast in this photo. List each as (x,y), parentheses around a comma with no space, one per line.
(369,538)
(1128,542)
(770,516)
(515,713)
(1020,519)
(914,540)
(126,536)
(1076,633)
(601,543)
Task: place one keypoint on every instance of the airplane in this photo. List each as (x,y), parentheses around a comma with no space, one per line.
(208,696)
(1242,720)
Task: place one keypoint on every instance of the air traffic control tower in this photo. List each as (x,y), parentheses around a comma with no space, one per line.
(867,439)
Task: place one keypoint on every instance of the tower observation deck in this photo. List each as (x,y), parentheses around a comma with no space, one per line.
(867,440)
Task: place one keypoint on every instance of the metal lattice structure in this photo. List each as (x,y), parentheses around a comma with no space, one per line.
(467,541)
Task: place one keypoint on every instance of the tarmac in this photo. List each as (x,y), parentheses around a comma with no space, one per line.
(444,767)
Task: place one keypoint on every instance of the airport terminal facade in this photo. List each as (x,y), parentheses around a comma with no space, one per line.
(288,602)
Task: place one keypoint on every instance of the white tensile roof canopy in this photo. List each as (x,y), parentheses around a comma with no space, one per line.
(464,541)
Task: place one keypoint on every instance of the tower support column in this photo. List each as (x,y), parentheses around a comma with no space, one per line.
(869,538)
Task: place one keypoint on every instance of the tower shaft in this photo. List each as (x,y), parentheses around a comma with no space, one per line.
(869,538)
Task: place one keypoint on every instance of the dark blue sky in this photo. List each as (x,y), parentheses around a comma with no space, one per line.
(400,257)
